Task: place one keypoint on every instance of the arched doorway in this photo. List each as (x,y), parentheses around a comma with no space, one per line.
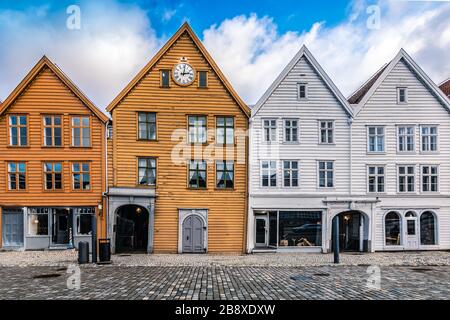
(132,229)
(193,229)
(353,229)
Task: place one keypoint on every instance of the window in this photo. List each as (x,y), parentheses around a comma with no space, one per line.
(406,179)
(225,174)
(300,228)
(225,130)
(52,176)
(165,78)
(402,95)
(392,229)
(18,131)
(147,125)
(197,129)
(429,136)
(81,132)
(405,138)
(38,222)
(52,131)
(290,173)
(326,174)
(375,139)
(326,132)
(376,179)
(427,228)
(17,176)
(290,130)
(81,176)
(269,173)
(202,79)
(84,220)
(147,171)
(430,179)
(302,91)
(270,130)
(197,174)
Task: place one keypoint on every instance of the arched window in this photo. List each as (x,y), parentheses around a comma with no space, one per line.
(392,229)
(427,228)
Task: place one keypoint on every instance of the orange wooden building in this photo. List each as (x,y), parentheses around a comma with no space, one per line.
(52,164)
(177,165)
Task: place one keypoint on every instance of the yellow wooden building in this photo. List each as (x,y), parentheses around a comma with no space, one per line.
(177,166)
(52,164)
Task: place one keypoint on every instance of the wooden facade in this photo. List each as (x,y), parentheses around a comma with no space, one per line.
(225,209)
(46,91)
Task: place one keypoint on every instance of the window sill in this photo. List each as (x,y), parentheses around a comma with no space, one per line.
(225,189)
(52,147)
(406,152)
(18,147)
(290,143)
(429,152)
(326,144)
(147,140)
(376,153)
(153,186)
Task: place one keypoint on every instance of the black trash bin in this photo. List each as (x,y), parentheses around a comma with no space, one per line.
(83,252)
(104,250)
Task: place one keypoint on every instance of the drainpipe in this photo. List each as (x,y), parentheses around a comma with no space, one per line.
(350,122)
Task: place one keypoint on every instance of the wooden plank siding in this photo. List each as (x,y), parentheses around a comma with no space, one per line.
(422,108)
(226,208)
(47,94)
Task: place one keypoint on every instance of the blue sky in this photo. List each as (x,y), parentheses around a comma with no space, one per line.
(250,40)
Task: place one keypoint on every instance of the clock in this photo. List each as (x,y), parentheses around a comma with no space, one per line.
(183,74)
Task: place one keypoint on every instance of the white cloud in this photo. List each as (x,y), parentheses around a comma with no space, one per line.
(252,53)
(114,42)
(168,15)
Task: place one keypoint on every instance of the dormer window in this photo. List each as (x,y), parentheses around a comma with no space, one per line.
(402,95)
(302,91)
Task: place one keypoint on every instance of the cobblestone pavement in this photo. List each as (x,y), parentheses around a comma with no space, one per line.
(63,258)
(225,282)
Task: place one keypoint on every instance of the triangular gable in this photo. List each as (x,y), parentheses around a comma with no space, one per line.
(304,52)
(184,28)
(45,62)
(417,70)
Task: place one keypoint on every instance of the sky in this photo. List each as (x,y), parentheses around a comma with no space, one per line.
(251,40)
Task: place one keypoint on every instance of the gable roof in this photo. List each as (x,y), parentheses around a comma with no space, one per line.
(42,63)
(357,96)
(402,55)
(303,52)
(184,28)
(445,87)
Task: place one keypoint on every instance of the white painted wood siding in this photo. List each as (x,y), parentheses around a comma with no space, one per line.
(321,104)
(423,108)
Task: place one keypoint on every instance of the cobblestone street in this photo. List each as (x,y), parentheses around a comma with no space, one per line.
(225,282)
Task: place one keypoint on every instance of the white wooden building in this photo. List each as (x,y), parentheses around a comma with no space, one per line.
(316,156)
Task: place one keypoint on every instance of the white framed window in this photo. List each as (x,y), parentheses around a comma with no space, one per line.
(290,130)
(302,89)
(428,138)
(325,174)
(430,178)
(406,137)
(406,178)
(268,173)
(376,179)
(269,130)
(375,139)
(326,131)
(290,173)
(402,95)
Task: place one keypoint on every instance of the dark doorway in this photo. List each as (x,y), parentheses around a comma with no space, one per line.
(62,224)
(351,225)
(132,229)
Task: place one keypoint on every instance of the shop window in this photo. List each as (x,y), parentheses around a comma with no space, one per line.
(300,228)
(427,228)
(392,229)
(38,222)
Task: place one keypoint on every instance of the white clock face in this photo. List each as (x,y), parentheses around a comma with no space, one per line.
(183,74)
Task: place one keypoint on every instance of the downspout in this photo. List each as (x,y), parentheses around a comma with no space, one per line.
(106,208)
(350,122)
